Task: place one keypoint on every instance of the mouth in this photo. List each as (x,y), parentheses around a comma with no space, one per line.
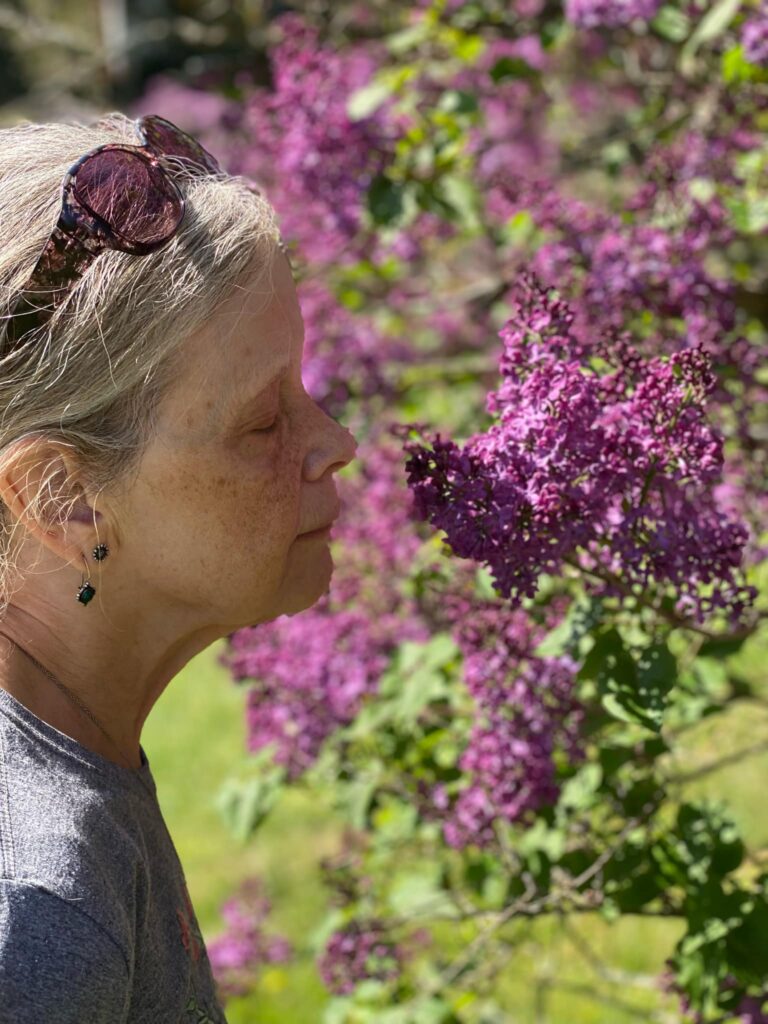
(323,530)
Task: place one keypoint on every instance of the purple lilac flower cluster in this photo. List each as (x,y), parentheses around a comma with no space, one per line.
(298,141)
(509,135)
(619,274)
(619,271)
(754,35)
(310,673)
(609,13)
(528,712)
(243,948)
(345,355)
(611,472)
(359,951)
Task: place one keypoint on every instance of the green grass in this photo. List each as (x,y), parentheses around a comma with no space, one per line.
(195,739)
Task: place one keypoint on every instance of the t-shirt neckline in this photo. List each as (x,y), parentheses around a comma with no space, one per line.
(141,777)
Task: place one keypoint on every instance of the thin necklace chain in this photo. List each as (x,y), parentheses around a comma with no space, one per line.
(83,707)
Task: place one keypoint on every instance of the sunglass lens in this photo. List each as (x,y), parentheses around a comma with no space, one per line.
(166,138)
(130,194)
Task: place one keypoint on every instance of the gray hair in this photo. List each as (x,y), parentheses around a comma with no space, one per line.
(93,377)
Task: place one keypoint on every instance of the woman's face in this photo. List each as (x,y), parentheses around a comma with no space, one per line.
(241,467)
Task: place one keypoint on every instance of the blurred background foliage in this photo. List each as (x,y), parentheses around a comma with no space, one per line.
(74,59)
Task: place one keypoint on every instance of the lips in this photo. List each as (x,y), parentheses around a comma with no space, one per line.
(324,526)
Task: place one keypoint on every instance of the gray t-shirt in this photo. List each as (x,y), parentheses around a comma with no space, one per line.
(96,924)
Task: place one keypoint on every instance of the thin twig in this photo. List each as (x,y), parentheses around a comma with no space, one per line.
(721,762)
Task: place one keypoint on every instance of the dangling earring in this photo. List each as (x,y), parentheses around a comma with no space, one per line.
(86,590)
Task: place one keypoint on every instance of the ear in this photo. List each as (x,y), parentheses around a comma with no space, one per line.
(39,484)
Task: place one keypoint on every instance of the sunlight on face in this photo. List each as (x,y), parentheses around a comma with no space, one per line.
(242,465)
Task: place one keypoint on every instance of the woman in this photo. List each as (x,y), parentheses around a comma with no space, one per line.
(164,480)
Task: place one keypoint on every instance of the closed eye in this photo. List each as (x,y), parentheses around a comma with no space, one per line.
(269,429)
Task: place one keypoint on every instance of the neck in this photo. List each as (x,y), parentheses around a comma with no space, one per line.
(117,654)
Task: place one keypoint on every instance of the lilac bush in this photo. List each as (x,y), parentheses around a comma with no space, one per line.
(754,36)
(609,13)
(611,472)
(527,709)
(314,161)
(356,952)
(579,193)
(238,953)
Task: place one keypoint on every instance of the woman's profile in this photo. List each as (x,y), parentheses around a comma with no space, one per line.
(165,480)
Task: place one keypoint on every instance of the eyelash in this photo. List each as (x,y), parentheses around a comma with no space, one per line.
(267,430)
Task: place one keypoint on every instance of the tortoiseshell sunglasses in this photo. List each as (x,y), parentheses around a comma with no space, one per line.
(115,197)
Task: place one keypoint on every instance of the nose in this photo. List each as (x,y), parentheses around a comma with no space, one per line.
(332,446)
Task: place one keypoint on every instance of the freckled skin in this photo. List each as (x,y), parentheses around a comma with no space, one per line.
(226,502)
(202,542)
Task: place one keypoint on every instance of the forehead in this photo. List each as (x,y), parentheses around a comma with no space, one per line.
(250,337)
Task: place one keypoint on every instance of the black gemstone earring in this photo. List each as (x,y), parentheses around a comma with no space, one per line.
(86,590)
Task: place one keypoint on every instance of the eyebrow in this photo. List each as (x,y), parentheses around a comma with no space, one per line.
(245,398)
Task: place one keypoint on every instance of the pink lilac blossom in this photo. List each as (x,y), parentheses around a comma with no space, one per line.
(359,951)
(243,948)
(345,355)
(620,271)
(308,676)
(622,276)
(613,473)
(527,712)
(609,13)
(299,142)
(754,35)
(511,132)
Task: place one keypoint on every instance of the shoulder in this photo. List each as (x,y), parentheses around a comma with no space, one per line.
(56,961)
(65,833)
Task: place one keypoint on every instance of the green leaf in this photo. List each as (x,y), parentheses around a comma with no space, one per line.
(721,647)
(582,616)
(395,820)
(418,891)
(632,691)
(713,24)
(703,848)
(244,803)
(747,944)
(358,795)
(749,212)
(672,24)
(512,67)
(463,197)
(735,67)
(519,229)
(457,101)
(541,838)
(385,199)
(579,792)
(400,42)
(364,101)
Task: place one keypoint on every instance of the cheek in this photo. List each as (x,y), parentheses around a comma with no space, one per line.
(220,505)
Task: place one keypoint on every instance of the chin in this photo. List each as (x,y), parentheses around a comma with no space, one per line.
(307,594)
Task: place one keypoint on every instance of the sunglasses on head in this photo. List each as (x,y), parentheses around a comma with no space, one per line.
(116,196)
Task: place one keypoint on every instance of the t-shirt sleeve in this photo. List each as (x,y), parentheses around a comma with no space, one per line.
(56,963)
